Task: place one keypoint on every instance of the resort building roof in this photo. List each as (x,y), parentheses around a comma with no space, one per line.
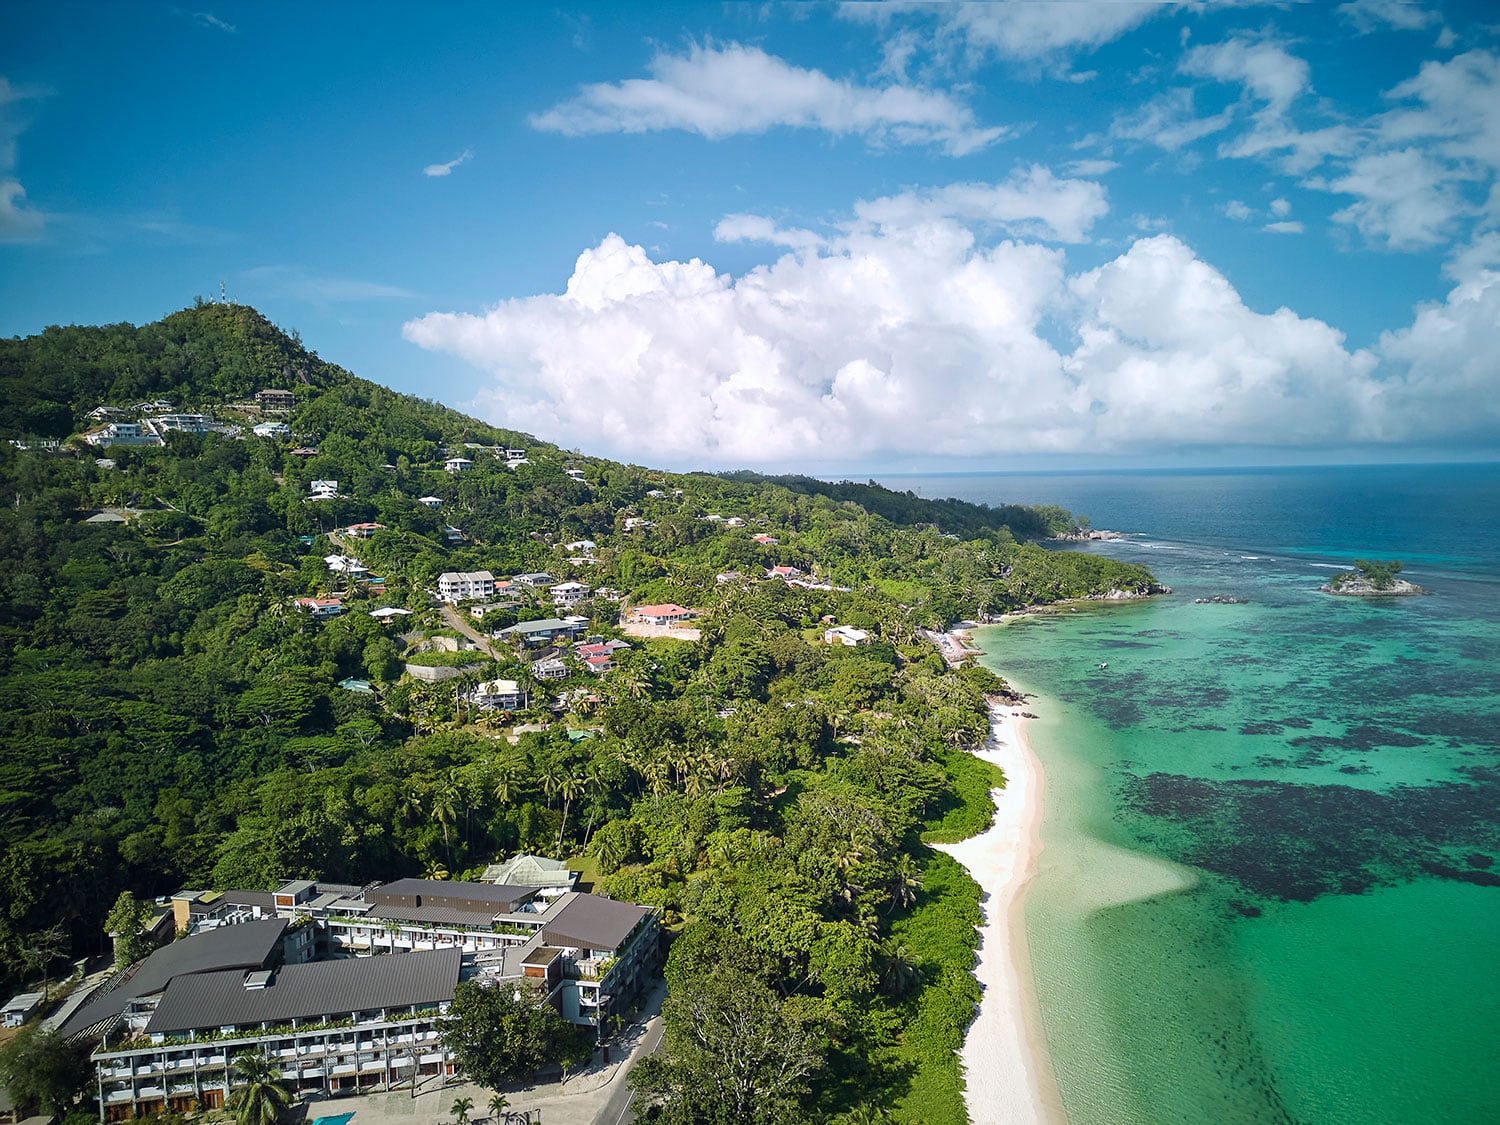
(318,989)
(247,945)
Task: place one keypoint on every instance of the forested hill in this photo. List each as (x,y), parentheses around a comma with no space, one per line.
(210,645)
(958,517)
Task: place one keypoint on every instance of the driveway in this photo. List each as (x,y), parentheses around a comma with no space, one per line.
(596,1095)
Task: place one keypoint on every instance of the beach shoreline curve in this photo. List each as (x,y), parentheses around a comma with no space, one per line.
(1008,1077)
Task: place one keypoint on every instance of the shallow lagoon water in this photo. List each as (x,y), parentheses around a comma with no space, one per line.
(1270,882)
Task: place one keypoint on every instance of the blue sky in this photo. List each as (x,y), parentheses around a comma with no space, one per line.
(826,237)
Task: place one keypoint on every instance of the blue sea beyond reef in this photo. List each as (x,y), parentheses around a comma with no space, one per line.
(1269,885)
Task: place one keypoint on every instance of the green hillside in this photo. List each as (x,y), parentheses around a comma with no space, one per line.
(170,716)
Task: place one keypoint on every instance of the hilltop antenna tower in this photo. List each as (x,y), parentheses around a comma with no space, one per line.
(223,299)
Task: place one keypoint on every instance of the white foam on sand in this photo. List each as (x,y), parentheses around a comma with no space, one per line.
(1007,1074)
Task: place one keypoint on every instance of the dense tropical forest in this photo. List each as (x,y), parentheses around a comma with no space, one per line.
(170,716)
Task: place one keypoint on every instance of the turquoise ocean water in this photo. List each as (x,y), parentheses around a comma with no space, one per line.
(1269,888)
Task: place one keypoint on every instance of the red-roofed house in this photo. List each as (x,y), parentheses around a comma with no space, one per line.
(662,614)
(363,530)
(320,607)
(783,572)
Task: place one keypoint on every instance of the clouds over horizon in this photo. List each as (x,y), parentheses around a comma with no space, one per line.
(922,337)
(722,91)
(19,221)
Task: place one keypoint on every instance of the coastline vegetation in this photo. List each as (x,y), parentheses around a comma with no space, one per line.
(171,718)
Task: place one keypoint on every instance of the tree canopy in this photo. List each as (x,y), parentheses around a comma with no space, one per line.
(170,717)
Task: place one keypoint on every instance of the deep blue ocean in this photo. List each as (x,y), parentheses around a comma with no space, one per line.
(1269,885)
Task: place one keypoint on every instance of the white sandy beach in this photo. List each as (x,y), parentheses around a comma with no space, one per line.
(1009,1079)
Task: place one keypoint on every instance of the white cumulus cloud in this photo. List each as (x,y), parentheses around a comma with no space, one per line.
(446,169)
(1023,30)
(723,91)
(929,337)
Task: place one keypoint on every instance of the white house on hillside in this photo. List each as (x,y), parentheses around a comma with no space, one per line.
(461,586)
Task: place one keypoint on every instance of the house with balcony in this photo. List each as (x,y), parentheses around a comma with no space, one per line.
(120,433)
(320,607)
(566,595)
(274,401)
(550,668)
(500,695)
(543,632)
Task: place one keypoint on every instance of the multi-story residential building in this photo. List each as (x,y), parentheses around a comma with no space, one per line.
(500,695)
(187,423)
(545,631)
(461,586)
(565,595)
(120,433)
(272,401)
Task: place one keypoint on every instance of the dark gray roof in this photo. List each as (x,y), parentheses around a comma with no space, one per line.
(322,988)
(500,895)
(244,945)
(593,922)
(266,900)
(545,625)
(434,915)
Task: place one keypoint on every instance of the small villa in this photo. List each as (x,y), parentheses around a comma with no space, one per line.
(320,607)
(845,635)
(458,464)
(666,614)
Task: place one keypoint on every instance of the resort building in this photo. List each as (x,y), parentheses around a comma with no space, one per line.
(551,875)
(291,974)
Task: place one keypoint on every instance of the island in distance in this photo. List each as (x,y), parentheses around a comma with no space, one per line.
(1371,580)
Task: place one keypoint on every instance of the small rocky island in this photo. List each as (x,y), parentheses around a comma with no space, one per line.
(1372,580)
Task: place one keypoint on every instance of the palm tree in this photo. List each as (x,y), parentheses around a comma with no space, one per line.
(906,881)
(569,786)
(498,1104)
(445,801)
(461,1109)
(259,1097)
(899,971)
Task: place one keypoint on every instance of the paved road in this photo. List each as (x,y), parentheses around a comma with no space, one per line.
(455,621)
